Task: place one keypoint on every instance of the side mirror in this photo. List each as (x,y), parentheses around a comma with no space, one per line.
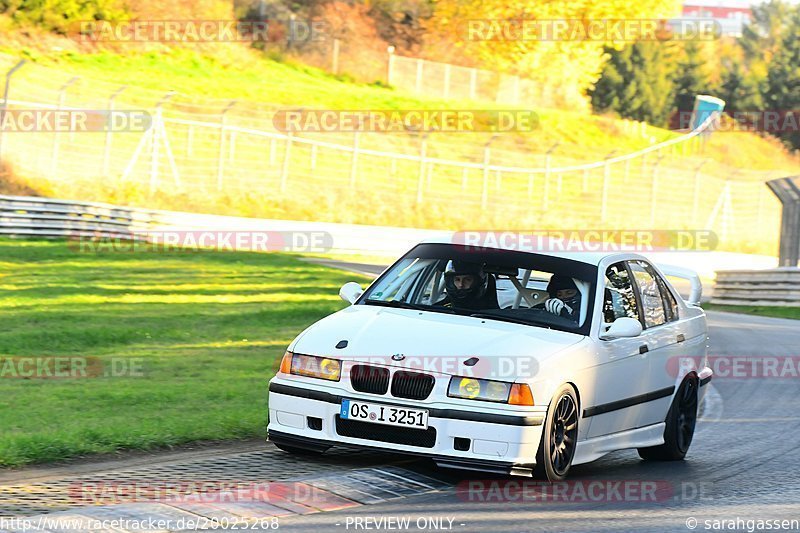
(623,327)
(350,292)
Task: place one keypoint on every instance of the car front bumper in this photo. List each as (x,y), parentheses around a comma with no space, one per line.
(503,443)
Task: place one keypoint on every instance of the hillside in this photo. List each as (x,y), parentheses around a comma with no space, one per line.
(206,82)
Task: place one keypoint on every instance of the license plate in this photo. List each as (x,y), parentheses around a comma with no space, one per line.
(384,414)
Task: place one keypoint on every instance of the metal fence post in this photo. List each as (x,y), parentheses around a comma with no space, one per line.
(62,95)
(286,156)
(5,98)
(696,194)
(157,128)
(643,168)
(109,132)
(423,148)
(221,149)
(546,194)
(473,84)
(354,160)
(606,185)
(654,197)
(486,158)
(390,66)
(189,152)
(335,58)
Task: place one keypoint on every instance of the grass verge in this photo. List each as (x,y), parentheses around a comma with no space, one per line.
(202,331)
(760,310)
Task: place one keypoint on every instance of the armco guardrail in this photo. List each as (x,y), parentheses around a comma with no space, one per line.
(26,216)
(47,217)
(772,287)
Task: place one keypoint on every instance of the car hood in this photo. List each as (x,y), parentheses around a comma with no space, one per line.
(433,342)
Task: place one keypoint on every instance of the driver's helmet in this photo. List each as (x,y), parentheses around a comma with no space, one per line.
(464,268)
(559,282)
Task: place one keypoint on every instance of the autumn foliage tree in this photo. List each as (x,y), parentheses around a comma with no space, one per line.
(565,63)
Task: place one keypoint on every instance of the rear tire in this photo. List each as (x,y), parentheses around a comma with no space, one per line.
(559,436)
(681,421)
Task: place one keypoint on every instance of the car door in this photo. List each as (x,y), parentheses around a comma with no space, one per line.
(661,335)
(620,375)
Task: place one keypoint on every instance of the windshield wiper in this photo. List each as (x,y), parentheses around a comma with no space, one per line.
(399,304)
(513,320)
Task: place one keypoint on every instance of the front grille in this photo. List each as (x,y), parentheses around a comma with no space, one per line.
(370,379)
(412,385)
(424,438)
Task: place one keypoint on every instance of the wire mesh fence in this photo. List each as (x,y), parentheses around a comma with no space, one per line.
(444,80)
(208,147)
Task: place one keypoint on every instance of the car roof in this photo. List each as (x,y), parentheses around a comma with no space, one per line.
(588,257)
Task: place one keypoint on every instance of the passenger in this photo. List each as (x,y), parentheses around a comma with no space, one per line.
(565,298)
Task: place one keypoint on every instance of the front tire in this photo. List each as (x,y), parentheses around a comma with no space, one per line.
(681,421)
(559,436)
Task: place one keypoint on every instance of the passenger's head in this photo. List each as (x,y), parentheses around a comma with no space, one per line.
(563,288)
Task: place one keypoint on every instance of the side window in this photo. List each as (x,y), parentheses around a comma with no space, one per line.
(432,289)
(620,299)
(670,305)
(652,300)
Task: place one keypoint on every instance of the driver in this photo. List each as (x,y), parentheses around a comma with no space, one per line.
(468,286)
(565,298)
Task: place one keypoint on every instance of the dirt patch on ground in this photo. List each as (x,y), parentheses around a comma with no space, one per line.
(14,185)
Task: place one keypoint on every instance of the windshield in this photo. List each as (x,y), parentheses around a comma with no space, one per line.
(532,289)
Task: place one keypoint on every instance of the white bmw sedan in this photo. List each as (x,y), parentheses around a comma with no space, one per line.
(499,360)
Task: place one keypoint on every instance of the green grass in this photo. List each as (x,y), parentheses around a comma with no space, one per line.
(227,73)
(248,76)
(208,330)
(761,310)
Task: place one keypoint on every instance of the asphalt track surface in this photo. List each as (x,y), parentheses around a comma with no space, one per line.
(741,470)
(744,464)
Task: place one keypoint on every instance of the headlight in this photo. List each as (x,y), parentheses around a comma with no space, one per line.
(490,391)
(311,366)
